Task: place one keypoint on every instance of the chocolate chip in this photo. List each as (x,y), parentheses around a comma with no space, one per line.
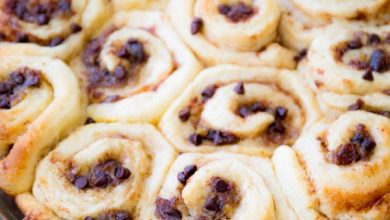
(122,173)
(368,144)
(379,61)
(196,25)
(75,28)
(244,111)
(185,114)
(281,112)
(18,78)
(122,53)
(239,88)
(258,107)
(355,44)
(208,92)
(33,80)
(373,39)
(136,51)
(302,54)
(101,180)
(224,9)
(122,216)
(368,76)
(166,211)
(5,102)
(221,138)
(220,185)
(358,105)
(120,72)
(239,12)
(90,121)
(346,154)
(56,41)
(81,182)
(212,204)
(186,173)
(88,218)
(43,19)
(195,139)
(359,64)
(21,37)
(276,128)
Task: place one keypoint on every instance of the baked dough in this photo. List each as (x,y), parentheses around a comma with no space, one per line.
(139,148)
(232,38)
(252,191)
(339,169)
(212,114)
(43,106)
(154,72)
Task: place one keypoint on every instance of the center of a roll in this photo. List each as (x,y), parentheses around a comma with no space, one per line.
(102,175)
(238,12)
(12,88)
(359,147)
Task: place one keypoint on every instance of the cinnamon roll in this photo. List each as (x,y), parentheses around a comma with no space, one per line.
(221,186)
(134,68)
(101,171)
(240,109)
(236,32)
(123,5)
(339,169)
(40,102)
(54,28)
(347,64)
(303,20)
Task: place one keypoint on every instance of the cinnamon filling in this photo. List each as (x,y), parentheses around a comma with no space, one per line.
(112,215)
(132,55)
(359,147)
(15,85)
(37,12)
(235,13)
(360,105)
(102,175)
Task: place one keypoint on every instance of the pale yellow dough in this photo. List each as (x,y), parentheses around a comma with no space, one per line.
(139,147)
(42,116)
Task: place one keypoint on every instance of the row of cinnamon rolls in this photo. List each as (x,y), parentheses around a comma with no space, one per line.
(228,121)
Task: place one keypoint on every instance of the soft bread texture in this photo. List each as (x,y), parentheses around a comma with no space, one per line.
(139,147)
(271,86)
(221,41)
(169,69)
(339,84)
(35,123)
(319,189)
(87,14)
(253,179)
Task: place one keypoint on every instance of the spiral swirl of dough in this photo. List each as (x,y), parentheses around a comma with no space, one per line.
(343,65)
(252,191)
(134,68)
(139,148)
(47,28)
(40,102)
(339,169)
(231,31)
(212,114)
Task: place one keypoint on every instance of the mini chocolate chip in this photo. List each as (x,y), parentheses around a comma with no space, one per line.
(166,211)
(208,92)
(258,107)
(101,181)
(33,80)
(221,186)
(75,28)
(244,111)
(88,218)
(224,9)
(359,64)
(368,75)
(240,12)
(276,128)
(120,72)
(5,102)
(122,173)
(56,41)
(373,39)
(212,204)
(81,182)
(21,37)
(186,173)
(18,78)
(379,61)
(358,105)
(281,112)
(122,216)
(221,138)
(239,88)
(136,51)
(355,43)
(122,53)
(90,121)
(196,25)
(196,139)
(368,144)
(302,54)
(42,19)
(64,5)
(185,114)
(346,154)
